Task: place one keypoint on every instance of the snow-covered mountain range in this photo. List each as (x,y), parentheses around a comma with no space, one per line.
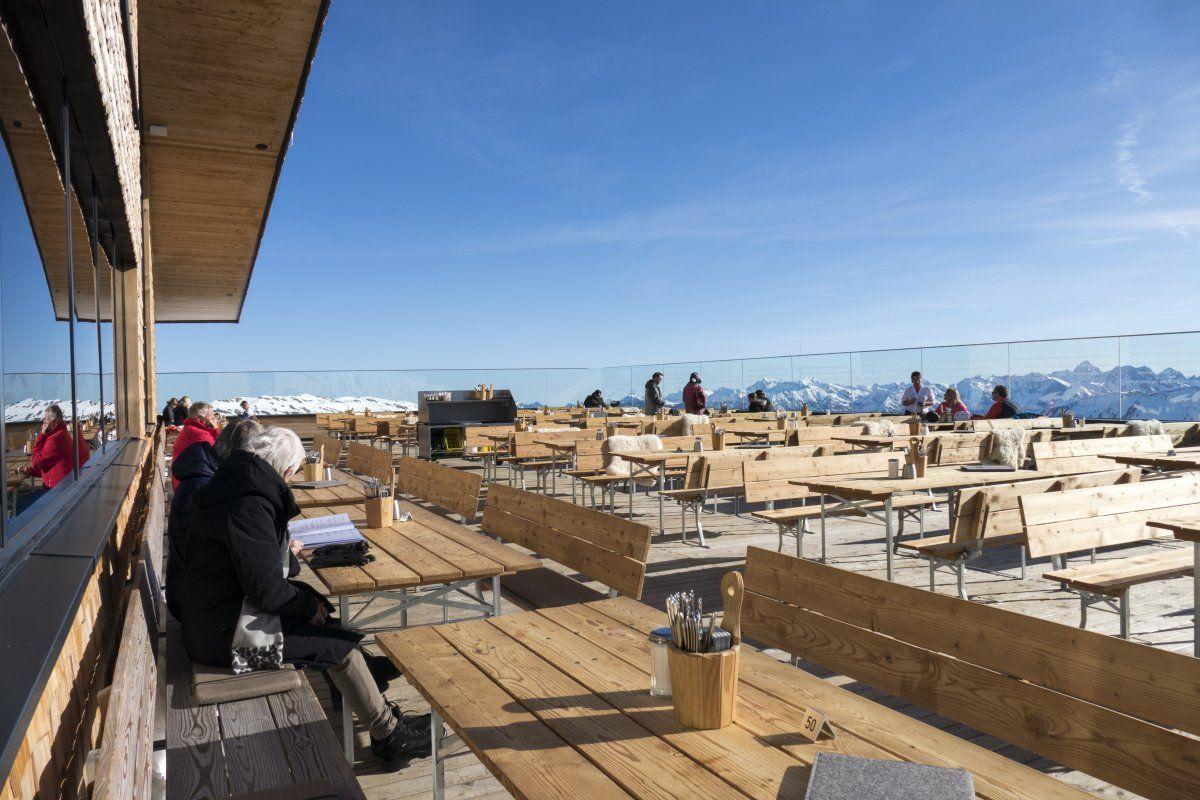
(1087,390)
(265,406)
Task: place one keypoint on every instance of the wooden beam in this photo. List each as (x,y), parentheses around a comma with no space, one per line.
(149,356)
(130,372)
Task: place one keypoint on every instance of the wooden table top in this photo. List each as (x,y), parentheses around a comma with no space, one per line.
(1184,458)
(346,493)
(556,703)
(1185,528)
(659,456)
(951,477)
(428,549)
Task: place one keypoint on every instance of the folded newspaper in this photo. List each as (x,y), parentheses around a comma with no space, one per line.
(316,531)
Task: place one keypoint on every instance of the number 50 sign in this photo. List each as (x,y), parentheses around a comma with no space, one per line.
(815,724)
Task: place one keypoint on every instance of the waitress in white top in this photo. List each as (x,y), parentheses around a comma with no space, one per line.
(918,398)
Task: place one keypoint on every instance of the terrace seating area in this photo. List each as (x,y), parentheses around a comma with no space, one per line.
(490,593)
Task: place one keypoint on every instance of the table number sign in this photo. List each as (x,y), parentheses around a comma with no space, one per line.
(815,724)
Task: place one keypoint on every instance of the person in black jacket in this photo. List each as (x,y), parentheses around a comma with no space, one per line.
(238,545)
(594,400)
(758,401)
(168,412)
(179,414)
(193,468)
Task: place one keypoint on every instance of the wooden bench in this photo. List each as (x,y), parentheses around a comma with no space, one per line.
(1068,522)
(125,760)
(990,516)
(1083,455)
(452,490)
(254,742)
(718,474)
(1122,712)
(770,481)
(526,452)
(362,459)
(959,448)
(599,546)
(597,458)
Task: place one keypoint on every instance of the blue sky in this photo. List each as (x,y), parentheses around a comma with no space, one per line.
(511,184)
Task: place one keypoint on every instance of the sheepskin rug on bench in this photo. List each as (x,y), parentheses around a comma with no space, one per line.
(1008,447)
(878,427)
(690,420)
(1145,427)
(615,445)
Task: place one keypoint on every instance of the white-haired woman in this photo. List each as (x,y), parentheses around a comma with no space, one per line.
(235,590)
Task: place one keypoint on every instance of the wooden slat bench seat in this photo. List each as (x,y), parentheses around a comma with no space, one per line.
(234,747)
(989,517)
(1063,523)
(362,459)
(599,546)
(772,481)
(1124,713)
(452,490)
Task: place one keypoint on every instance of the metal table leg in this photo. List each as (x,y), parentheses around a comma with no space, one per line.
(436,731)
(662,472)
(495,595)
(1196,600)
(888,534)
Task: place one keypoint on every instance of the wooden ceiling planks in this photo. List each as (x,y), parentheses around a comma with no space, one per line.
(222,82)
(40,181)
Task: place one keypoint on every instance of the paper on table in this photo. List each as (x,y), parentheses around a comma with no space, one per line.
(332,529)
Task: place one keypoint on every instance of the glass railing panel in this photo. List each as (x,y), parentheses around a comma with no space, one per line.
(825,382)
(880,377)
(1160,377)
(774,376)
(972,369)
(724,383)
(1080,375)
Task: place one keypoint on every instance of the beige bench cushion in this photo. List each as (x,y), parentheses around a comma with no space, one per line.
(212,685)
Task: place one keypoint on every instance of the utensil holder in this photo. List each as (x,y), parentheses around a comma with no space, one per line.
(704,687)
(313,472)
(379,512)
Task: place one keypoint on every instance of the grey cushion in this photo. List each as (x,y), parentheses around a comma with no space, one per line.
(212,685)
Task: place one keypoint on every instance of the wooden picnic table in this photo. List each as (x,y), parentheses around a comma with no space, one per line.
(645,463)
(1187,529)
(757,435)
(868,442)
(855,493)
(1183,458)
(1088,431)
(556,703)
(558,446)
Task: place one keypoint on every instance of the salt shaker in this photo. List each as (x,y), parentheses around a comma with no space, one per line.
(329,473)
(660,669)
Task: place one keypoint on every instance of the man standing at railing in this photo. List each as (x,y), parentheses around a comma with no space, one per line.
(654,398)
(694,401)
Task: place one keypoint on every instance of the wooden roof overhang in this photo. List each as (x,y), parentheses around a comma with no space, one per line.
(40,45)
(224,81)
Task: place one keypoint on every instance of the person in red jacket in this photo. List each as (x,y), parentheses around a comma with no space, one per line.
(200,426)
(694,401)
(51,458)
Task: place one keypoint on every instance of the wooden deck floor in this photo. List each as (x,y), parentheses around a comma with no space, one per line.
(1162,617)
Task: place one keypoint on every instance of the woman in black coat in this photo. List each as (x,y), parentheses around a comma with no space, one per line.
(239,545)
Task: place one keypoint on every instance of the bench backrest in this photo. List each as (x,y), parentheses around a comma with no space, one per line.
(723,468)
(1035,422)
(329,447)
(1086,700)
(602,547)
(959,448)
(362,459)
(1080,455)
(126,758)
(453,490)
(474,435)
(995,511)
(770,479)
(1067,522)
(524,444)
(1183,434)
